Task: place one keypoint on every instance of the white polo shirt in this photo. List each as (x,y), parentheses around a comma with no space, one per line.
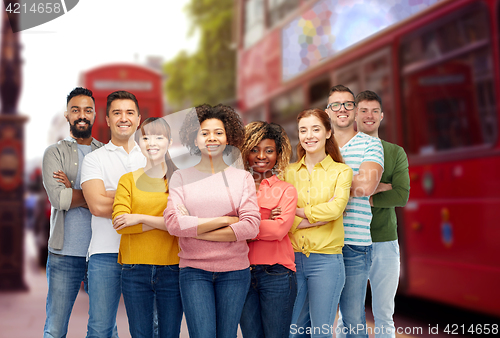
(108,164)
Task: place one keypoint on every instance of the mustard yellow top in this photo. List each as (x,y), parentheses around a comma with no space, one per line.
(137,193)
(315,189)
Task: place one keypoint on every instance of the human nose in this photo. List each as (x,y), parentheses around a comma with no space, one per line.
(81,114)
(211,137)
(261,154)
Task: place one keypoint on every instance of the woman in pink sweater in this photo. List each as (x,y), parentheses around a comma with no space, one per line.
(269,304)
(212,208)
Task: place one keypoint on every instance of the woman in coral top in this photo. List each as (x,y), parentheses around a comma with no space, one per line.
(213,210)
(148,253)
(269,304)
(317,234)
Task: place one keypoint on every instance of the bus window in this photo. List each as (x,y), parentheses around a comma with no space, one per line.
(284,111)
(377,77)
(279,9)
(254,22)
(257,114)
(350,77)
(448,100)
(318,93)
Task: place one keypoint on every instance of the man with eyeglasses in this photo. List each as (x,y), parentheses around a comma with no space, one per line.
(392,191)
(365,155)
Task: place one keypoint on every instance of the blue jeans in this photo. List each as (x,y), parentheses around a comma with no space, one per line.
(320,278)
(352,319)
(141,283)
(105,289)
(268,307)
(65,275)
(213,301)
(384,279)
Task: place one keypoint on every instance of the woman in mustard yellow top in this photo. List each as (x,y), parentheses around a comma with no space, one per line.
(317,235)
(148,253)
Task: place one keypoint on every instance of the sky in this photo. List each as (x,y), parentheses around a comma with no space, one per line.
(94,33)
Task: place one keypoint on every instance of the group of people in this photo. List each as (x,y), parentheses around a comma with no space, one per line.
(242,238)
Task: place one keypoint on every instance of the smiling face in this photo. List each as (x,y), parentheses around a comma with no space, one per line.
(262,158)
(123,120)
(80,115)
(154,147)
(342,118)
(369,117)
(313,135)
(211,138)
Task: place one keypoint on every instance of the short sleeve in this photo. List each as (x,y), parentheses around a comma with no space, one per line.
(374,151)
(91,168)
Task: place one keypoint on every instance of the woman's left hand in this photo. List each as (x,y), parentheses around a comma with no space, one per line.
(126,220)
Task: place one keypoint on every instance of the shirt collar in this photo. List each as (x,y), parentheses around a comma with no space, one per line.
(73,140)
(270,181)
(112,147)
(326,163)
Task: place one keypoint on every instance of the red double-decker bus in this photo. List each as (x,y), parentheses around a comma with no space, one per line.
(436,66)
(144,83)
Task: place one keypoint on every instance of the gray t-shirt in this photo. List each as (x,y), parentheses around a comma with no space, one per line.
(77,228)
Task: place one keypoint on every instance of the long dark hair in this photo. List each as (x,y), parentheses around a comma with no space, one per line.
(158,126)
(331,146)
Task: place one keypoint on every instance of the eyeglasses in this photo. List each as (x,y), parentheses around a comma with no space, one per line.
(335,106)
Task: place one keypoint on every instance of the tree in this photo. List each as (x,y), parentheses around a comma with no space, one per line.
(209,75)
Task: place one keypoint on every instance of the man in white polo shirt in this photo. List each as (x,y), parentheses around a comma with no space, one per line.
(365,155)
(100,175)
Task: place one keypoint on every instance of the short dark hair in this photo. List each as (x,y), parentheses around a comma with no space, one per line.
(79,91)
(233,126)
(121,95)
(368,95)
(340,88)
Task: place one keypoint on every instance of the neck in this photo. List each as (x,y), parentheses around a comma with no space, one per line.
(84,141)
(211,164)
(312,159)
(258,177)
(126,144)
(344,135)
(156,170)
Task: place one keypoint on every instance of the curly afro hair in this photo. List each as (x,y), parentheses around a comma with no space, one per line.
(235,132)
(257,131)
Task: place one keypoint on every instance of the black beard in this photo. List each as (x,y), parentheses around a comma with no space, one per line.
(77,133)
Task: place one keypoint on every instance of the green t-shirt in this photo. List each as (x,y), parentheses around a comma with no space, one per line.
(383,227)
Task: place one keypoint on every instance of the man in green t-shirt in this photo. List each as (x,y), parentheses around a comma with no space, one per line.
(392,191)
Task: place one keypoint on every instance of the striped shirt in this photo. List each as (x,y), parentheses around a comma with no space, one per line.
(361,148)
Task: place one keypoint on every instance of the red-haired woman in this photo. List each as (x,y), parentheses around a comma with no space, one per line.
(323,182)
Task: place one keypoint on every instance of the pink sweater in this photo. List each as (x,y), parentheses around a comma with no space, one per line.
(207,195)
